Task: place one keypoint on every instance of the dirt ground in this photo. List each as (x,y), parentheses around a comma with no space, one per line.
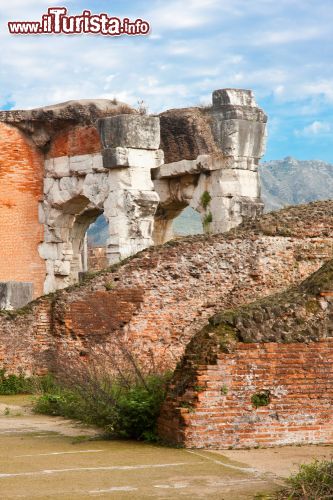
(52,458)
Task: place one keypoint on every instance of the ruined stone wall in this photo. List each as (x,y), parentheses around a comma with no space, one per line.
(160,298)
(219,412)
(258,375)
(21,190)
(102,156)
(30,142)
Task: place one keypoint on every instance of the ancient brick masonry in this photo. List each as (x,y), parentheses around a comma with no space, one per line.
(159,299)
(219,413)
(231,391)
(21,188)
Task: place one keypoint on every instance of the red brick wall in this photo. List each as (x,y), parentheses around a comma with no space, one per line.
(26,342)
(21,187)
(79,140)
(218,412)
(158,300)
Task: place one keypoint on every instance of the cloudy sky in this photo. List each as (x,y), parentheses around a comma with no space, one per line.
(282,49)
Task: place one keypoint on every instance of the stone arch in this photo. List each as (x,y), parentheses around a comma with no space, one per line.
(176,194)
(208,160)
(70,205)
(78,240)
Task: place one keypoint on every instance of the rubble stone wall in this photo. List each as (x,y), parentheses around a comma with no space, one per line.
(160,298)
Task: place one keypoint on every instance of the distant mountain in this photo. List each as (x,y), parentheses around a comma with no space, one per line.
(292,182)
(283,182)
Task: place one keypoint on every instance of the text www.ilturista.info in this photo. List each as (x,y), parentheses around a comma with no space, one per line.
(57,22)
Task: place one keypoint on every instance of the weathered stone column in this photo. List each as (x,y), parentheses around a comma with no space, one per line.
(239,129)
(130,151)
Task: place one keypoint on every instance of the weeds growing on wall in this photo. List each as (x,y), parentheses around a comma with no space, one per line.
(205,199)
(208,219)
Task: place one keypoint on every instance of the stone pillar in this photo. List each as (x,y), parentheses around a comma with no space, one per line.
(130,150)
(239,129)
(84,254)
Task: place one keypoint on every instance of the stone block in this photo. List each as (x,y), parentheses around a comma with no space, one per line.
(61,166)
(241,137)
(62,267)
(234,182)
(57,167)
(162,187)
(129,157)
(242,163)
(48,251)
(15,294)
(233,97)
(130,131)
(48,184)
(131,178)
(96,188)
(49,166)
(97,163)
(81,165)
(141,179)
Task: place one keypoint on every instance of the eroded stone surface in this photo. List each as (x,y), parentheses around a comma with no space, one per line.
(14,295)
(101,156)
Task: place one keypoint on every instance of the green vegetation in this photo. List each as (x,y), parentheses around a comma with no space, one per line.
(199,388)
(208,219)
(15,384)
(111,285)
(224,390)
(123,406)
(262,398)
(187,406)
(205,199)
(20,384)
(313,481)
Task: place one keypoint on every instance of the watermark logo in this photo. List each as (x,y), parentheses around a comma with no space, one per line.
(58,22)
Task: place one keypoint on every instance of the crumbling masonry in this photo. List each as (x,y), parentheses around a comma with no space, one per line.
(64,165)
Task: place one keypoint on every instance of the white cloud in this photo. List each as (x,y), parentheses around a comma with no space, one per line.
(316,128)
(218,47)
(289,36)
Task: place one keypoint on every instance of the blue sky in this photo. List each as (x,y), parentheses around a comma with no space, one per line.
(282,49)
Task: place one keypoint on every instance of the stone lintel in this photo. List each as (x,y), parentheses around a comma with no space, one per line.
(130,131)
(203,163)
